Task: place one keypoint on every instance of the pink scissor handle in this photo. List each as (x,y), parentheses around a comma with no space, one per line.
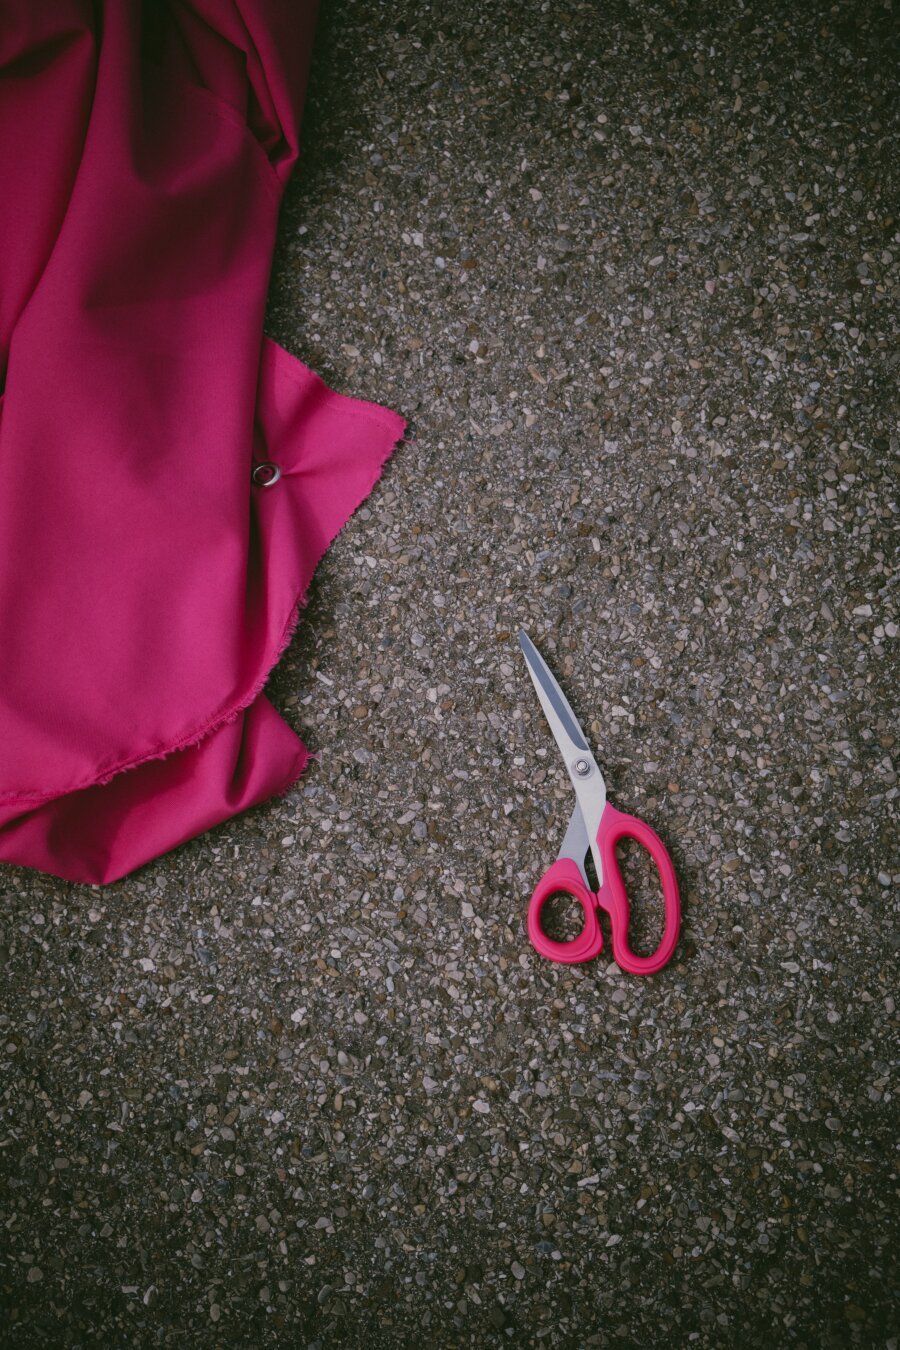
(614,825)
(564,878)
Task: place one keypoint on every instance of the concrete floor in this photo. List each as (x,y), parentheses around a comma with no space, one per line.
(630,271)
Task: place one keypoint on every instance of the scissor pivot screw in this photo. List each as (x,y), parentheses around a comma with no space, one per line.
(582,768)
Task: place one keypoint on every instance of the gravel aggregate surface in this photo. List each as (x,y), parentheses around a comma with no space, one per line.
(630,271)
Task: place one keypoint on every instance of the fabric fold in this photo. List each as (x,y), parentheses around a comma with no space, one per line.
(147,586)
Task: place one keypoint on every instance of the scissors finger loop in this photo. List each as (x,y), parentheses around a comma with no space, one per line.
(564,878)
(612,896)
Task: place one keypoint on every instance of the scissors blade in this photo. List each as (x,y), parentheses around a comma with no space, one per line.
(563,722)
(584,773)
(575,843)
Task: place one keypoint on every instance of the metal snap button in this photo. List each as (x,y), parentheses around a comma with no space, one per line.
(266,475)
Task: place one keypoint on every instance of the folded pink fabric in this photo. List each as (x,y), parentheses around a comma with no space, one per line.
(147,584)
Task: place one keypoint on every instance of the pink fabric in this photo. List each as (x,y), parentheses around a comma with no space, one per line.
(146,587)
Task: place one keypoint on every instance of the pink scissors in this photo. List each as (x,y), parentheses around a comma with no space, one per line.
(595,828)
